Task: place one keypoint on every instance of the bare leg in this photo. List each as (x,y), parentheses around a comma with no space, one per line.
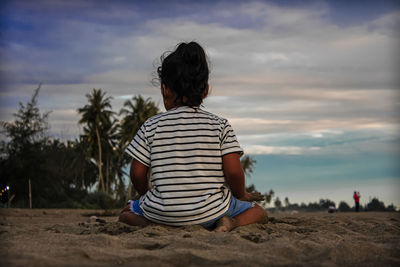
(128,217)
(131,218)
(255,214)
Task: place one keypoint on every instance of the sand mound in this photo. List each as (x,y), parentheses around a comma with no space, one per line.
(76,237)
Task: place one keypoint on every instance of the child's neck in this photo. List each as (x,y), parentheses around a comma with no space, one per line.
(178,106)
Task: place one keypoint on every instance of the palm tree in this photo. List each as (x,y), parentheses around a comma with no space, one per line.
(82,166)
(117,172)
(136,112)
(248,164)
(97,116)
(110,147)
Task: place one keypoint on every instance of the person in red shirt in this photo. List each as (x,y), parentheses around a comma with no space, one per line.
(356,197)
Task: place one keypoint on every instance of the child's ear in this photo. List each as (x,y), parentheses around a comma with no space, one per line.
(165,91)
(205,93)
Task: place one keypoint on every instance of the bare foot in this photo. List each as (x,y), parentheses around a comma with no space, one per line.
(225,224)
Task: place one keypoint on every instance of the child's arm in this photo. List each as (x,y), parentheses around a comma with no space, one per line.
(139,178)
(234,176)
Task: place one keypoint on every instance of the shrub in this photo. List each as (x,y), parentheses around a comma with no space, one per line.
(343,206)
(98,200)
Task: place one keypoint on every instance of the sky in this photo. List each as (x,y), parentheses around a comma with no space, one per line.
(310,87)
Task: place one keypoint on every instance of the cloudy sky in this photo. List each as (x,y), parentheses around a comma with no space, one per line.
(310,87)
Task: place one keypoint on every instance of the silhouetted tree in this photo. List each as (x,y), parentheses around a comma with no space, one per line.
(21,155)
(28,128)
(375,205)
(278,203)
(287,203)
(251,188)
(97,117)
(391,208)
(343,206)
(269,196)
(248,165)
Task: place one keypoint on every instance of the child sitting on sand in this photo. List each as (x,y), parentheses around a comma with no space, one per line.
(193,154)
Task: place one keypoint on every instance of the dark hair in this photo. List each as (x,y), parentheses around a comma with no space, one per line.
(185,72)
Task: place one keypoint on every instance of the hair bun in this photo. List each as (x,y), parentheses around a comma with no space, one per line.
(185,71)
(191,54)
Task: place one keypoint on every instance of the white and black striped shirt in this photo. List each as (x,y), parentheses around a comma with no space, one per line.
(184,148)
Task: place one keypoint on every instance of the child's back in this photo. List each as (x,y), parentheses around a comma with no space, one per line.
(184,148)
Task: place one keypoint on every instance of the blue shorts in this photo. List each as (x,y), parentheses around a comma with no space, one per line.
(135,207)
(235,208)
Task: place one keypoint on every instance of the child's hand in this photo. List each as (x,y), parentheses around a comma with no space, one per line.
(255,196)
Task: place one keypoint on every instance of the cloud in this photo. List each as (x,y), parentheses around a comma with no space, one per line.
(278,150)
(350,142)
(276,69)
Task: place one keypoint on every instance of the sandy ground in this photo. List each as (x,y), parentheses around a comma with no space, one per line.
(70,238)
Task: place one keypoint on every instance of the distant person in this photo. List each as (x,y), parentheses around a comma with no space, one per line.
(356,197)
(192,153)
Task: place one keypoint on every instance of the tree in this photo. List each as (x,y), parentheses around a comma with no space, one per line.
(391,208)
(83,167)
(343,206)
(376,205)
(251,188)
(278,203)
(268,197)
(67,173)
(110,140)
(29,126)
(21,156)
(248,164)
(287,203)
(135,111)
(97,118)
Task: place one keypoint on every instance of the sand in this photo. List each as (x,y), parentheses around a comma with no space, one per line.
(54,237)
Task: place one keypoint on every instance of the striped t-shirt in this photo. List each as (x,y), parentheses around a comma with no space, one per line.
(184,148)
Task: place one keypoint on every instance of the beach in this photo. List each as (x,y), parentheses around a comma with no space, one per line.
(61,237)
